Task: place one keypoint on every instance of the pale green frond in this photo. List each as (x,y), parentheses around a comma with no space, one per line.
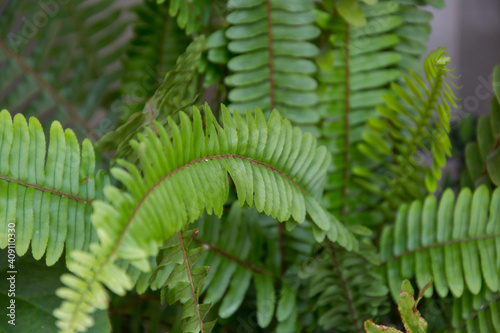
(456,242)
(46,192)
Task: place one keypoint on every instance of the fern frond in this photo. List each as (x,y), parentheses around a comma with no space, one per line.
(482,158)
(178,89)
(191,15)
(355,71)
(413,33)
(272,66)
(62,69)
(346,290)
(456,242)
(153,51)
(235,252)
(46,193)
(180,179)
(409,126)
(476,313)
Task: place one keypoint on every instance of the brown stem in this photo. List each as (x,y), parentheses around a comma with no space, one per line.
(188,270)
(229,256)
(46,189)
(45,85)
(345,172)
(347,295)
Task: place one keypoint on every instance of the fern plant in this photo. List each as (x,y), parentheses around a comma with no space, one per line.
(311,203)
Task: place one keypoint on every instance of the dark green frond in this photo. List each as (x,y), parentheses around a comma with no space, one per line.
(355,72)
(346,289)
(476,313)
(177,90)
(56,64)
(272,67)
(153,51)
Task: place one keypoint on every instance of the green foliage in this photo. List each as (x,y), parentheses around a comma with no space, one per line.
(63,39)
(153,51)
(35,298)
(482,157)
(348,291)
(476,313)
(46,191)
(272,66)
(356,67)
(217,220)
(285,177)
(455,242)
(409,126)
(407,306)
(178,89)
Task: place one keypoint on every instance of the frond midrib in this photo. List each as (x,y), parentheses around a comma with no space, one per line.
(46,189)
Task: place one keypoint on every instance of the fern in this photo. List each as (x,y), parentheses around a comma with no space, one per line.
(348,292)
(272,66)
(353,77)
(189,13)
(38,60)
(235,248)
(177,90)
(457,242)
(47,196)
(285,177)
(153,51)
(476,313)
(407,306)
(482,157)
(409,125)
(413,33)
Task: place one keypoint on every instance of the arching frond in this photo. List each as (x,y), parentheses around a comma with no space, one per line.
(455,242)
(272,66)
(46,192)
(408,127)
(270,163)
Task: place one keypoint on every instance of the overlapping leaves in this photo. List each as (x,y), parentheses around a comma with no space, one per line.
(271,164)
(410,126)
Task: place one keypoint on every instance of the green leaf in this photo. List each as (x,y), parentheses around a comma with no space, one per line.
(351,12)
